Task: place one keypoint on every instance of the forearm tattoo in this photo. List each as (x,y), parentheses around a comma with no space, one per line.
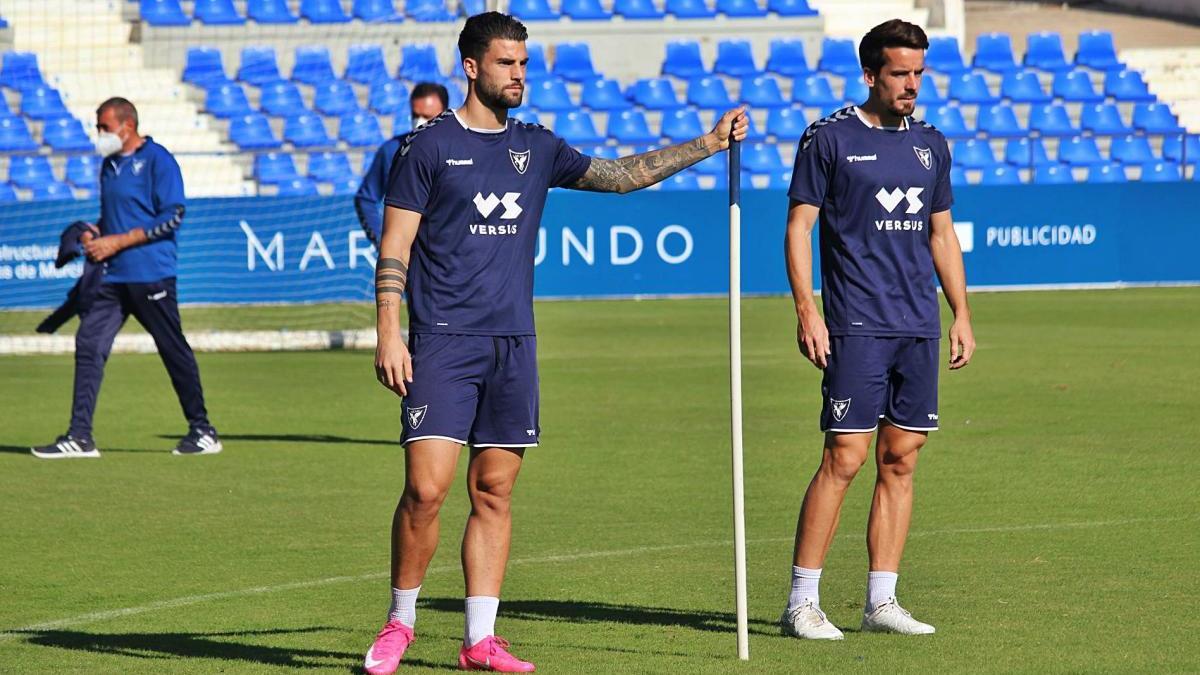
(390,277)
(638,171)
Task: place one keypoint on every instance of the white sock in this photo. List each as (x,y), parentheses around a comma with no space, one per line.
(805,586)
(404,606)
(880,587)
(480,619)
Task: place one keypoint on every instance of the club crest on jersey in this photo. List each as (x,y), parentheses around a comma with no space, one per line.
(925,156)
(416,416)
(520,160)
(840,408)
(137,166)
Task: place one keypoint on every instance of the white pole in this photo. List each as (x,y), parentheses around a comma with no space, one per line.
(735,392)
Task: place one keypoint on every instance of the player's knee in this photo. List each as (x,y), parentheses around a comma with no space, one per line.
(423,496)
(843,463)
(491,494)
(898,465)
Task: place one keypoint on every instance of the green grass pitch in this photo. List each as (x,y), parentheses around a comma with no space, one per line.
(1057,526)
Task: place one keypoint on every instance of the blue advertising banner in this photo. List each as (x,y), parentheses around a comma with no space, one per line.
(310,249)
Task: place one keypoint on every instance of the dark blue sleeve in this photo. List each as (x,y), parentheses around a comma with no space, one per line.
(811,173)
(371,191)
(569,164)
(168,198)
(943,195)
(411,180)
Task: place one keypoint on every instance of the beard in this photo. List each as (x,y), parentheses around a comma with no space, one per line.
(494,96)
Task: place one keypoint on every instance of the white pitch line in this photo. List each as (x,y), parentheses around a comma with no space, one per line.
(187,600)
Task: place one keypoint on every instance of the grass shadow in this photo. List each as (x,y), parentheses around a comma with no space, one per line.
(298,438)
(24,450)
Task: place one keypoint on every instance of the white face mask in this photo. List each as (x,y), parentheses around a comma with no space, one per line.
(108,143)
(419,122)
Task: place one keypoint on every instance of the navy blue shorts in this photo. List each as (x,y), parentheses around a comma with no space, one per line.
(473,389)
(874,378)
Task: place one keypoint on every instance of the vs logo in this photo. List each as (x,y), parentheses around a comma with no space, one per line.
(486,205)
(840,408)
(890,200)
(520,160)
(416,416)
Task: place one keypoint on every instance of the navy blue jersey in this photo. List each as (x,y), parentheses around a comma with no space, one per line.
(480,195)
(143,189)
(876,189)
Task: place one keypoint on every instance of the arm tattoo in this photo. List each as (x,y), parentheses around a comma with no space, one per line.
(638,171)
(390,277)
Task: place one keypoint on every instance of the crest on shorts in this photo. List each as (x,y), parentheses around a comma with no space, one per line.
(840,408)
(520,160)
(416,416)
(925,156)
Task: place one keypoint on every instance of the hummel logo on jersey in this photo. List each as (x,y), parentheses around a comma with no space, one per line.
(861,158)
(933,417)
(416,416)
(925,156)
(486,205)
(460,162)
(840,408)
(520,160)
(889,200)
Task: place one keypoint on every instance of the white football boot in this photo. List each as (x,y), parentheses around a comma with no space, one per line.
(809,622)
(889,617)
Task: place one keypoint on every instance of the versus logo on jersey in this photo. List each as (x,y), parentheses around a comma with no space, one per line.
(486,205)
(839,408)
(416,416)
(926,157)
(890,200)
(520,160)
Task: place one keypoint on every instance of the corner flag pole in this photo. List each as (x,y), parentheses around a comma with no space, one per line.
(735,391)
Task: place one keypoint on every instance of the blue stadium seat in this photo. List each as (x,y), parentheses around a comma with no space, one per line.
(654,93)
(313,66)
(532,10)
(83,170)
(281,98)
(53,191)
(974,153)
(684,180)
(550,95)
(1160,172)
(1075,86)
(735,58)
(226,100)
(577,128)
(690,9)
(346,185)
(741,8)
(999,121)
(994,52)
(7,193)
(637,9)
(258,66)
(1155,118)
(603,94)
(298,187)
(217,13)
(1044,50)
(376,11)
(419,63)
(971,88)
(66,134)
(1023,86)
(1096,50)
(958,175)
(779,180)
(328,166)
(30,171)
(1051,119)
(683,60)
(1131,149)
(854,90)
(1173,149)
(19,70)
(40,103)
(628,127)
(360,130)
(839,56)
(269,11)
(525,115)
(709,92)
(1000,174)
(365,64)
(163,13)
(814,91)
(753,133)
(4,109)
(1108,172)
(683,124)
(949,120)
(402,121)
(1103,119)
(786,124)
(1024,152)
(536,67)
(15,136)
(944,55)
(323,11)
(428,11)
(762,158)
(930,93)
(1053,174)
(791,7)
(1079,151)
(573,62)
(253,132)
(1127,85)
(601,151)
(274,167)
(585,10)
(336,97)
(306,130)
(203,67)
(787,57)
(761,91)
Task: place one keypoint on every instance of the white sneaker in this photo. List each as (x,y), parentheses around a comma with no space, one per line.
(809,622)
(889,617)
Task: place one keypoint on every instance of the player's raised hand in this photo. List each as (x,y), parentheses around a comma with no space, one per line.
(962,343)
(393,364)
(813,337)
(733,124)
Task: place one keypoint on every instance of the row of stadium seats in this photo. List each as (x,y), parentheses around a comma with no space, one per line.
(1058,174)
(1043,50)
(1076,151)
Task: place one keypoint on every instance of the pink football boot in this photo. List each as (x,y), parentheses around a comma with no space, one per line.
(491,653)
(384,656)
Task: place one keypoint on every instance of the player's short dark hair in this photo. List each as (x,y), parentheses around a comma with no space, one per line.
(894,33)
(424,89)
(123,109)
(481,29)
